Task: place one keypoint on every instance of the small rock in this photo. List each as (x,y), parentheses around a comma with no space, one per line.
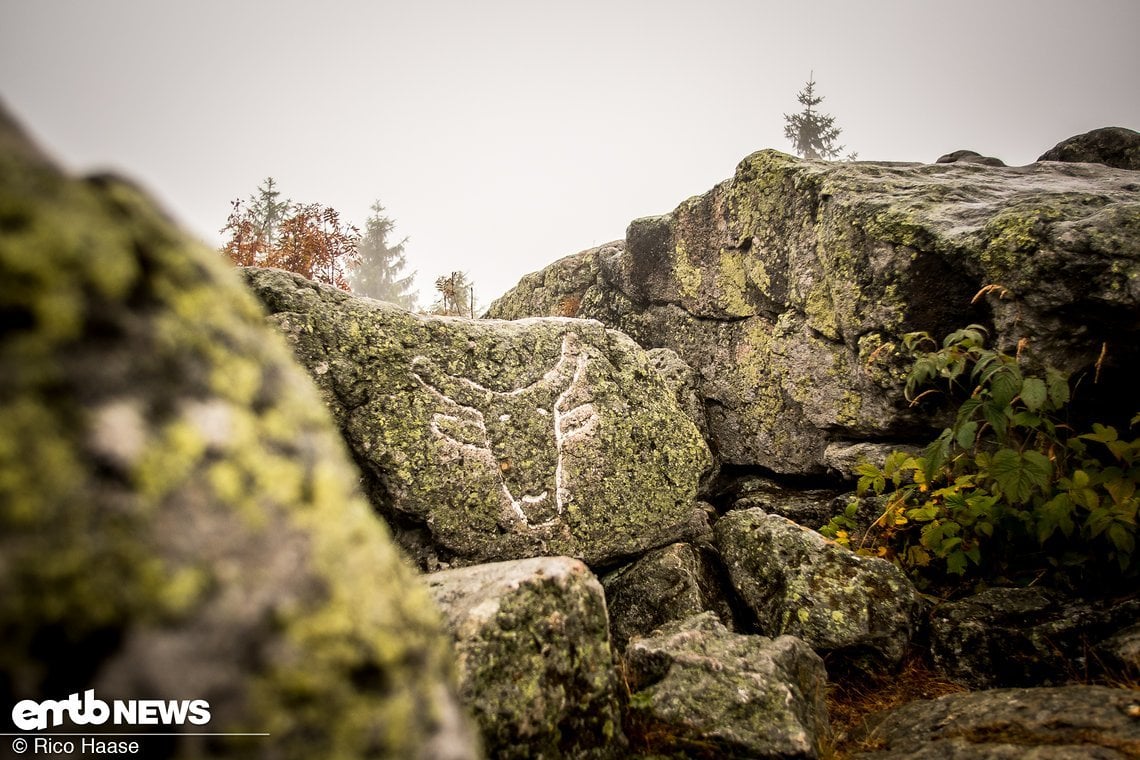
(673,583)
(843,457)
(810,508)
(969,157)
(797,582)
(698,688)
(536,668)
(1121,652)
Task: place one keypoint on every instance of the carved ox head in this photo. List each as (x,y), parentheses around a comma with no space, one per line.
(521,433)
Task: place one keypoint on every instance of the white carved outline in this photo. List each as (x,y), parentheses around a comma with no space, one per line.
(568,424)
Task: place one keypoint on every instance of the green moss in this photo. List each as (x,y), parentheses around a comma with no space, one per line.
(901,226)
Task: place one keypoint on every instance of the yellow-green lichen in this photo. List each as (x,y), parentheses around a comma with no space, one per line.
(732,284)
(222,520)
(819,308)
(689,276)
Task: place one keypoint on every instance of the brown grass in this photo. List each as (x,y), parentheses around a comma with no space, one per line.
(851,700)
(568,306)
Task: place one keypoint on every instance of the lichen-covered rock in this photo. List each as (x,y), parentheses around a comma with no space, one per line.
(1024,636)
(1112,146)
(1065,723)
(789,287)
(685,383)
(179,519)
(842,458)
(1121,652)
(536,668)
(698,690)
(862,609)
(557,290)
(502,440)
(673,583)
(811,508)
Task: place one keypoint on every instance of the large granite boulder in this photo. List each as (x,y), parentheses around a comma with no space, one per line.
(1025,636)
(500,440)
(179,519)
(536,669)
(1065,723)
(698,690)
(1112,146)
(863,610)
(789,286)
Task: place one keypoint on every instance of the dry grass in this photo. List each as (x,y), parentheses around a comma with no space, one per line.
(569,306)
(851,700)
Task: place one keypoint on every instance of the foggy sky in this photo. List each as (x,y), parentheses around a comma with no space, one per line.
(503,135)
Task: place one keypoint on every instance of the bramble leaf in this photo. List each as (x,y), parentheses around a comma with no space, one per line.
(966,435)
(1034,393)
(1018,474)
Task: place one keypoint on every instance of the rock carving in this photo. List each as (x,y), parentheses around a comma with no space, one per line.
(523,433)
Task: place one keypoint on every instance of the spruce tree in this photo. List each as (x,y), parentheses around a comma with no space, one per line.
(379,274)
(812,133)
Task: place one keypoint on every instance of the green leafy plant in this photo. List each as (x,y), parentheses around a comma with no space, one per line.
(1009,488)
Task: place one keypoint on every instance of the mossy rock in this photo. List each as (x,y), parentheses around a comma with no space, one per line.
(788,289)
(178,516)
(666,585)
(536,667)
(861,610)
(500,440)
(698,690)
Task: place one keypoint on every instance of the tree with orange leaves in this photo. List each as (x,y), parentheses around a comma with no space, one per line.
(309,239)
(313,242)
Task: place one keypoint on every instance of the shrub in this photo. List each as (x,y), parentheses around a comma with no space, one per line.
(1009,490)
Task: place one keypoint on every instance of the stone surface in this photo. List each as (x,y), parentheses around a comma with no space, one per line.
(843,457)
(860,609)
(788,288)
(1066,723)
(536,668)
(669,584)
(1120,652)
(698,690)
(1024,636)
(969,157)
(179,519)
(499,440)
(1112,146)
(811,508)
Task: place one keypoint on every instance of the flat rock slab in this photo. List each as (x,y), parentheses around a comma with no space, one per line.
(700,690)
(799,583)
(1055,723)
(501,440)
(1025,637)
(536,668)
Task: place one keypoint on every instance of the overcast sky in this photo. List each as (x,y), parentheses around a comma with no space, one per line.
(504,134)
